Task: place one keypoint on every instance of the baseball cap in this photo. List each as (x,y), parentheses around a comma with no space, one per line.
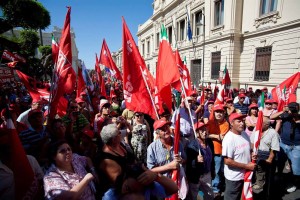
(104,102)
(160,123)
(199,125)
(253,105)
(218,107)
(265,88)
(242,95)
(228,100)
(234,116)
(269,101)
(210,102)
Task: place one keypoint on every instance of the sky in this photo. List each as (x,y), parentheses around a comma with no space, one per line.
(95,20)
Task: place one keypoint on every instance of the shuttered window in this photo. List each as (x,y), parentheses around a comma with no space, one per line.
(263,63)
(215,64)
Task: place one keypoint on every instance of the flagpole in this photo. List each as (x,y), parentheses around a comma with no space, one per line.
(190,114)
(149,93)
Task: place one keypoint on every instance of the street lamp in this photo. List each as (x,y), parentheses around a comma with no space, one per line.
(203,45)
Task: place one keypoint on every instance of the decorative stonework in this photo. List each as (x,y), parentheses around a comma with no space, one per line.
(217,29)
(270,17)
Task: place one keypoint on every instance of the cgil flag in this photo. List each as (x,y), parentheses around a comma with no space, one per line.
(285,92)
(64,75)
(106,60)
(136,95)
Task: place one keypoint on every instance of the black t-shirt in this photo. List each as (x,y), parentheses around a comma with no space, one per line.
(290,130)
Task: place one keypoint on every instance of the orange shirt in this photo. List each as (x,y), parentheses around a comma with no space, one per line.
(217,128)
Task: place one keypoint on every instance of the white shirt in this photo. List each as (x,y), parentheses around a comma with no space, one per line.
(236,147)
(23,118)
(246,101)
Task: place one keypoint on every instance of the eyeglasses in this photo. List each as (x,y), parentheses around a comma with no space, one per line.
(268,104)
(242,97)
(74,107)
(63,151)
(139,115)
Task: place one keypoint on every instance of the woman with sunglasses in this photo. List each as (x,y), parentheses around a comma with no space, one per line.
(67,177)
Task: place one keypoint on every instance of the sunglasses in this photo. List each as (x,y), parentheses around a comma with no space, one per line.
(74,107)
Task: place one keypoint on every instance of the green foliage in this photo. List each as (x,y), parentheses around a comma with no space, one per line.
(29,41)
(28,14)
(45,50)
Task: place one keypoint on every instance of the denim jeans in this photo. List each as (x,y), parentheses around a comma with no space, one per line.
(219,173)
(292,152)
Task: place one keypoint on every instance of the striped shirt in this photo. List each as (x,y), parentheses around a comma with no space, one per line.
(243,108)
(158,155)
(33,140)
(78,125)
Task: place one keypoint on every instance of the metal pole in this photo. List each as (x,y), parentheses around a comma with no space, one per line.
(203,45)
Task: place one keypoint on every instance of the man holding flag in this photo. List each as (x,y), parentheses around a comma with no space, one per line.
(269,146)
(237,157)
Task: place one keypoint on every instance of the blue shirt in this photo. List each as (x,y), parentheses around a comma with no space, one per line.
(158,155)
(243,108)
(288,134)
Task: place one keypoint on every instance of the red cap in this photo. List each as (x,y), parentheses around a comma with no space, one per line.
(269,101)
(160,123)
(89,133)
(79,100)
(193,93)
(35,111)
(265,88)
(82,93)
(234,116)
(228,100)
(253,105)
(199,125)
(218,107)
(242,95)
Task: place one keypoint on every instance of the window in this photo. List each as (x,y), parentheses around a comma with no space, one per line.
(219,12)
(262,63)
(267,6)
(148,47)
(143,49)
(148,66)
(196,71)
(199,23)
(157,40)
(182,29)
(215,64)
(170,34)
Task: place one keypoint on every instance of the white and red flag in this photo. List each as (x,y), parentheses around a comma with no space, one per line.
(167,71)
(184,74)
(247,193)
(136,96)
(285,92)
(64,74)
(106,60)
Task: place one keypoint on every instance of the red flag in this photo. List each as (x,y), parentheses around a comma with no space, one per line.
(106,60)
(226,79)
(112,93)
(9,56)
(175,173)
(12,64)
(19,164)
(55,49)
(80,82)
(100,80)
(166,71)
(135,92)
(184,74)
(64,75)
(285,96)
(30,84)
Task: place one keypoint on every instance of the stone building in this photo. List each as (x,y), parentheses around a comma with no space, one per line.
(258,40)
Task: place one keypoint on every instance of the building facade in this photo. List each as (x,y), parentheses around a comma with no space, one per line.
(258,40)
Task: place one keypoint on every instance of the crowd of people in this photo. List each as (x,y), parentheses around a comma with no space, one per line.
(102,150)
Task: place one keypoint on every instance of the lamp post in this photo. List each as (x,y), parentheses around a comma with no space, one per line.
(203,46)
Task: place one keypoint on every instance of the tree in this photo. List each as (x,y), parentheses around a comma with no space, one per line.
(27,14)
(29,42)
